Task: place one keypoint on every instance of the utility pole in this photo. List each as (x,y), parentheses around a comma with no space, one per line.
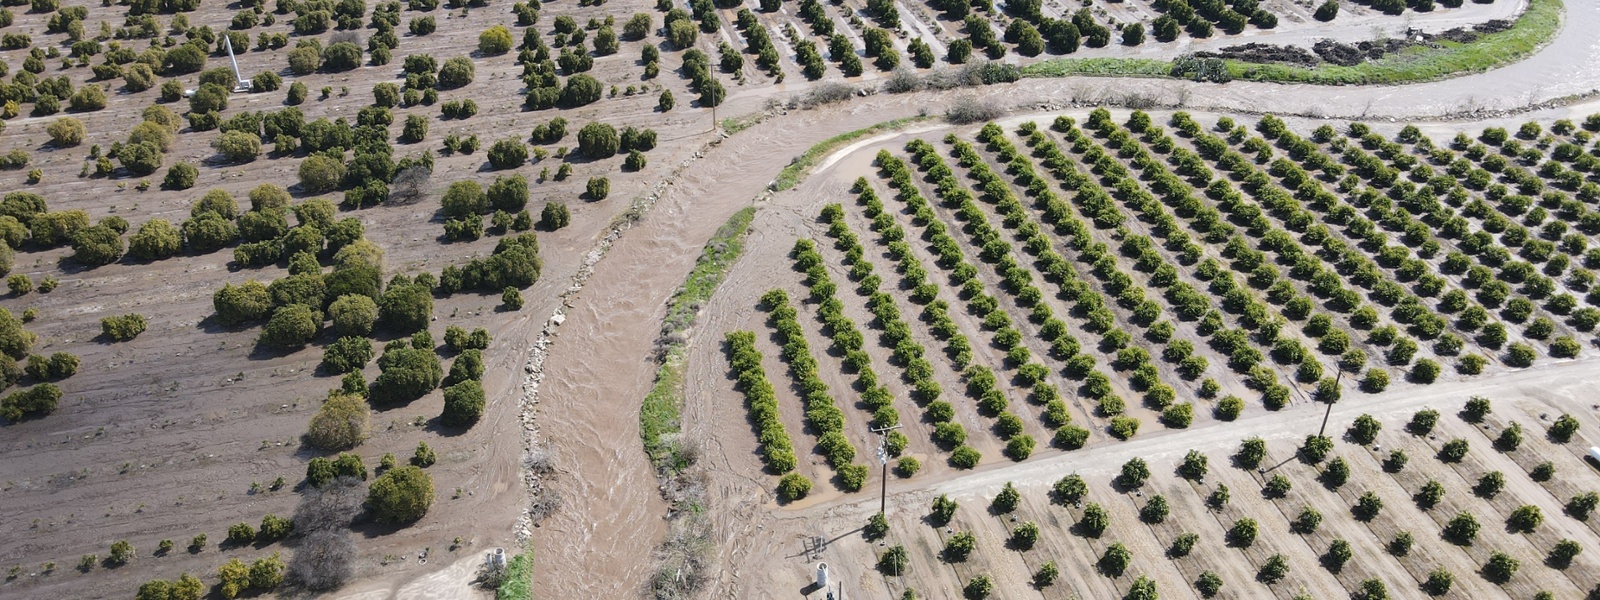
(883,459)
(712,93)
(1325,415)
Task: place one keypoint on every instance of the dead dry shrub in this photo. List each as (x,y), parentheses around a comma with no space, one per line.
(546,500)
(1139,100)
(970,109)
(685,558)
(349,37)
(902,81)
(827,93)
(331,507)
(538,461)
(323,554)
(322,560)
(410,185)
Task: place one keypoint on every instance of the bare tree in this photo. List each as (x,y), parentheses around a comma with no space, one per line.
(409,185)
(322,561)
(346,36)
(322,558)
(969,109)
(827,93)
(329,508)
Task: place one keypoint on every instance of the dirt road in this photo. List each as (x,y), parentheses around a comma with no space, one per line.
(1567,384)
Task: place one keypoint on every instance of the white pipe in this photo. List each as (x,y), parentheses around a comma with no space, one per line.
(227,42)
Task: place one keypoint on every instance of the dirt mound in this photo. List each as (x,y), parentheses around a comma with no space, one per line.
(1349,55)
(1353,54)
(1495,26)
(1458,35)
(1343,55)
(1265,53)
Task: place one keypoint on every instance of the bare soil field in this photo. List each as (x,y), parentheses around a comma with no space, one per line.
(162,437)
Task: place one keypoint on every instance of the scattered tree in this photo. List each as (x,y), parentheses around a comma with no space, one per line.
(1114,561)
(1500,567)
(1134,473)
(1365,430)
(1476,409)
(122,328)
(1462,529)
(1243,533)
(1274,570)
(598,141)
(1563,429)
(66,132)
(342,422)
(1525,518)
(1582,505)
(463,404)
(401,495)
(1439,582)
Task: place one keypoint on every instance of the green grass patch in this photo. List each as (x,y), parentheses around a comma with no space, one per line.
(802,165)
(517,584)
(659,415)
(732,125)
(1533,29)
(1101,67)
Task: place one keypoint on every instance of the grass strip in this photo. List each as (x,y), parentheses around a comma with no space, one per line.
(732,125)
(1532,30)
(802,165)
(1102,67)
(517,584)
(659,415)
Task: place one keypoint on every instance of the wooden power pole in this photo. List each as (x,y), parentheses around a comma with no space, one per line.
(883,459)
(1337,378)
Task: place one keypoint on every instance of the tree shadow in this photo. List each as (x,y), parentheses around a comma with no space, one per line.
(1084,531)
(436,425)
(369,527)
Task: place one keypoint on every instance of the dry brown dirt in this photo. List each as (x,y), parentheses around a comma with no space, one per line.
(162,437)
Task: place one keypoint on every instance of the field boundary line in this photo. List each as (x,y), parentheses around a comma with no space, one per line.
(804,164)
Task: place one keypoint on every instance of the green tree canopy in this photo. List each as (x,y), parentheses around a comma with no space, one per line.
(342,422)
(407,374)
(406,308)
(353,315)
(463,404)
(401,495)
(291,327)
(243,303)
